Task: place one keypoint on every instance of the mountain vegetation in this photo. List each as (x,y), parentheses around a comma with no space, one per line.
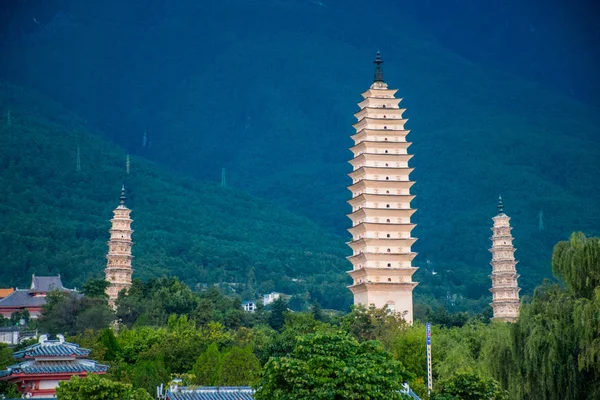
(266,90)
(59,183)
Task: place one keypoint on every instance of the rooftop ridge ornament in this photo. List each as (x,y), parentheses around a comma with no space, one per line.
(378,70)
(500,205)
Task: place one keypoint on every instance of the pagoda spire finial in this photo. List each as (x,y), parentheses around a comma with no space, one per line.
(378,70)
(500,205)
(123,198)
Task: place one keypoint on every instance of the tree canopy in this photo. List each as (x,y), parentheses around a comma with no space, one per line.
(332,366)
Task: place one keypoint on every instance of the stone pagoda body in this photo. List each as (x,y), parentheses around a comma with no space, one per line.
(381,211)
(505,290)
(43,365)
(118,269)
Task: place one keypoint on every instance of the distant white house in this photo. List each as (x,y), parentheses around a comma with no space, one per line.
(13,336)
(271,297)
(249,306)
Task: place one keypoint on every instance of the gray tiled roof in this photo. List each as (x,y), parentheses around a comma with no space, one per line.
(54,367)
(45,284)
(212,393)
(52,348)
(22,298)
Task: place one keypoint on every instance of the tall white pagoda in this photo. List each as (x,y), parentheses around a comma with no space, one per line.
(118,269)
(505,290)
(381,212)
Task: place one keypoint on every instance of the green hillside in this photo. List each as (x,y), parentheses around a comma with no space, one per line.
(267,89)
(54,219)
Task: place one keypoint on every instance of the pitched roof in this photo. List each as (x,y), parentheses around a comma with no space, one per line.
(45,284)
(6,292)
(212,393)
(52,348)
(22,298)
(54,367)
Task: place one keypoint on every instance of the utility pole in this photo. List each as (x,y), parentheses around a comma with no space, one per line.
(429,371)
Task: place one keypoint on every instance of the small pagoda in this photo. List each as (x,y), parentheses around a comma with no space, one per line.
(118,268)
(381,210)
(505,290)
(43,365)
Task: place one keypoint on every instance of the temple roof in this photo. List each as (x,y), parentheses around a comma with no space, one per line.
(52,348)
(22,298)
(211,393)
(54,367)
(6,292)
(45,284)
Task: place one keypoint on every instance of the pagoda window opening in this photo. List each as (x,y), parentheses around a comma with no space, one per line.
(389,279)
(385,127)
(388,220)
(385,139)
(389,265)
(386,152)
(384,106)
(387,192)
(389,250)
(384,116)
(386,164)
(387,206)
(387,178)
(388,235)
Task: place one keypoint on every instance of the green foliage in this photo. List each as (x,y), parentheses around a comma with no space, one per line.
(576,262)
(277,316)
(375,324)
(470,387)
(332,366)
(95,287)
(95,387)
(55,220)
(70,313)
(149,371)
(240,367)
(207,368)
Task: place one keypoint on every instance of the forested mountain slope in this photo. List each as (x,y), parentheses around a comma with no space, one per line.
(267,89)
(55,219)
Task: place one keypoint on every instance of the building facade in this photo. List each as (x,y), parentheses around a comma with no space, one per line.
(381,211)
(118,268)
(270,298)
(43,365)
(505,289)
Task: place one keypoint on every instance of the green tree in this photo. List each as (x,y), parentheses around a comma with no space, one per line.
(149,371)
(277,316)
(577,262)
(95,387)
(207,368)
(6,359)
(332,366)
(470,386)
(71,314)
(317,312)
(95,288)
(240,367)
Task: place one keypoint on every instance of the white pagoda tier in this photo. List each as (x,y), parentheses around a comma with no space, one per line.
(118,269)
(381,211)
(505,290)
